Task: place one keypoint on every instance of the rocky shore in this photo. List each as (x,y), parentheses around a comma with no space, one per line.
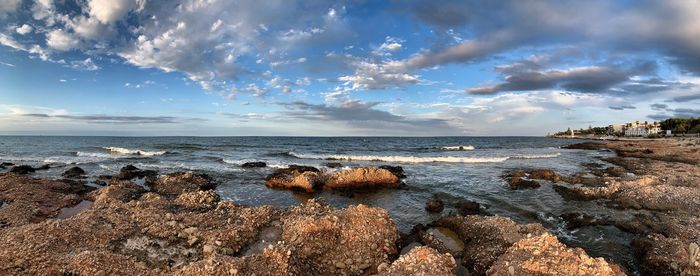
(142,222)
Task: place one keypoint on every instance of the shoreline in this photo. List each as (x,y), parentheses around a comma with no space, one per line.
(294,234)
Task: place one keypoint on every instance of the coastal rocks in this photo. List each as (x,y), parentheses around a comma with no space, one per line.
(182,182)
(74,172)
(545,255)
(249,165)
(660,255)
(578,220)
(362,178)
(486,238)
(348,241)
(333,165)
(129,172)
(396,170)
(468,207)
(22,169)
(586,146)
(434,205)
(420,261)
(310,179)
(524,179)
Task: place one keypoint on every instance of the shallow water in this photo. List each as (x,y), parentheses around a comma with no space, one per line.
(454,168)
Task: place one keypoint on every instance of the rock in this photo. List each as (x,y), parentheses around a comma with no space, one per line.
(130,172)
(468,207)
(74,172)
(182,182)
(434,205)
(660,255)
(521,179)
(7,164)
(43,167)
(421,261)
(396,170)
(545,255)
(334,165)
(307,181)
(254,165)
(22,169)
(586,146)
(578,220)
(486,238)
(358,178)
(545,174)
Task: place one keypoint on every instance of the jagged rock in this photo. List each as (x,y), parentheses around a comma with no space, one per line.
(578,220)
(434,205)
(545,255)
(182,182)
(486,238)
(660,255)
(130,172)
(358,178)
(334,165)
(74,172)
(468,207)
(420,261)
(521,179)
(308,181)
(396,170)
(254,165)
(22,169)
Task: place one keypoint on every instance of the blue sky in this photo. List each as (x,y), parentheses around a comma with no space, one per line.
(415,68)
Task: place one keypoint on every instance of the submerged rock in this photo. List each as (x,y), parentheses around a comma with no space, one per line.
(74,172)
(396,170)
(468,207)
(22,169)
(521,179)
(578,220)
(434,205)
(333,165)
(545,255)
(129,172)
(254,165)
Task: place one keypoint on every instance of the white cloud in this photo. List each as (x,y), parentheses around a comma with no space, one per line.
(8,6)
(87,65)
(391,44)
(24,29)
(108,11)
(61,40)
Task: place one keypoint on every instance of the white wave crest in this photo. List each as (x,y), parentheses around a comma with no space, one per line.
(402,159)
(94,154)
(537,156)
(458,148)
(133,152)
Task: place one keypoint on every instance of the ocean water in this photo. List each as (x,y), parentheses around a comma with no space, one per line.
(453,168)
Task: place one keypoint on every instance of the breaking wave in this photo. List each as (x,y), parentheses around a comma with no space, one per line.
(417,159)
(401,159)
(134,152)
(458,148)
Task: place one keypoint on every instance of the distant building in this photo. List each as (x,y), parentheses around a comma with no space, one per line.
(616,129)
(637,129)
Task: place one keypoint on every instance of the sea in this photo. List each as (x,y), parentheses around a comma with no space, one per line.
(452,168)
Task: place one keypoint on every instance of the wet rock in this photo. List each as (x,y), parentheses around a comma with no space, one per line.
(545,255)
(586,193)
(660,255)
(486,238)
(130,172)
(578,220)
(396,170)
(333,165)
(359,178)
(615,171)
(521,179)
(42,167)
(586,146)
(468,207)
(421,261)
(7,164)
(254,165)
(74,172)
(434,205)
(183,182)
(443,240)
(517,183)
(22,169)
(307,181)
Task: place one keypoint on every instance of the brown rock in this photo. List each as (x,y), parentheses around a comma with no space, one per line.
(362,178)
(468,207)
(182,182)
(307,181)
(421,261)
(434,205)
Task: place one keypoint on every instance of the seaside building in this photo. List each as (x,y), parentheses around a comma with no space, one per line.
(645,129)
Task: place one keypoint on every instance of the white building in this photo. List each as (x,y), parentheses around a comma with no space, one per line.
(642,130)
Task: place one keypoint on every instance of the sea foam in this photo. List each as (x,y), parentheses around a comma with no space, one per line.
(458,148)
(134,152)
(401,159)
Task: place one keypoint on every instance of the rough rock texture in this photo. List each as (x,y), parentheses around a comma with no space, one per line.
(396,170)
(434,205)
(310,179)
(22,169)
(468,207)
(486,238)
(362,178)
(131,231)
(130,172)
(74,172)
(182,182)
(254,165)
(27,200)
(521,179)
(660,255)
(333,165)
(420,261)
(545,255)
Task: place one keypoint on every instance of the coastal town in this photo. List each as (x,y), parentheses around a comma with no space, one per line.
(674,127)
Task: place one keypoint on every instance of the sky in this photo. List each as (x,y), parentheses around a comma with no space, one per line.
(344,68)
